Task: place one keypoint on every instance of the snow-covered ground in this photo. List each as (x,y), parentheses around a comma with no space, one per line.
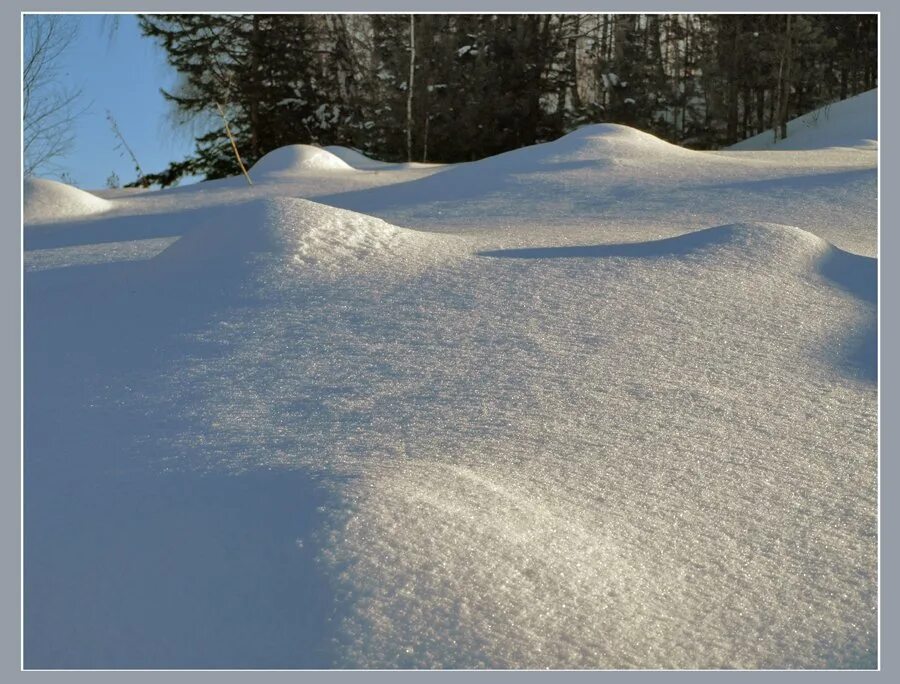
(850,123)
(598,403)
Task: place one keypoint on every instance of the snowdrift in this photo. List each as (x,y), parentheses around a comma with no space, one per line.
(48,200)
(619,176)
(597,140)
(850,123)
(356,159)
(361,162)
(567,429)
(577,162)
(304,233)
(297,159)
(602,144)
(773,246)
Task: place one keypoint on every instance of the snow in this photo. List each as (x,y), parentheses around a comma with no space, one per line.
(294,159)
(304,233)
(358,160)
(48,200)
(355,158)
(848,123)
(597,403)
(636,184)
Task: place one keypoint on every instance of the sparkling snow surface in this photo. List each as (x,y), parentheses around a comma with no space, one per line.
(598,403)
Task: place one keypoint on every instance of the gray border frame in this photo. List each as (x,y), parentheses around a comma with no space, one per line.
(10,302)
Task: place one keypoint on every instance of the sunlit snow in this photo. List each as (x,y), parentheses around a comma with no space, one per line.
(602,402)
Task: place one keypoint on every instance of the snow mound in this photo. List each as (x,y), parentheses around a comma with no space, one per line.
(750,242)
(294,159)
(604,144)
(303,233)
(849,123)
(356,159)
(761,243)
(775,247)
(596,164)
(602,137)
(737,246)
(47,200)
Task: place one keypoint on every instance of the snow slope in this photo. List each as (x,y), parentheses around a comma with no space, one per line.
(848,123)
(598,403)
(47,200)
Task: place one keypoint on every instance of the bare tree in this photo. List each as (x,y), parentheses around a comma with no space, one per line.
(48,103)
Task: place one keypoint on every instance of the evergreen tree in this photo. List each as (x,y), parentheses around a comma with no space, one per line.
(477,85)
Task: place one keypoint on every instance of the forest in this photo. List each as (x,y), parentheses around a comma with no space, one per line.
(451,88)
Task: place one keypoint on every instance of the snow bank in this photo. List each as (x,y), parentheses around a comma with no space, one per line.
(48,200)
(850,123)
(296,159)
(305,233)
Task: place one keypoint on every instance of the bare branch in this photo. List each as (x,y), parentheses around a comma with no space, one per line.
(48,103)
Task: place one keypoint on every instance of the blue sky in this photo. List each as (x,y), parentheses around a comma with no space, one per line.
(120,71)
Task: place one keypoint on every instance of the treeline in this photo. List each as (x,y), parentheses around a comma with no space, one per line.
(453,88)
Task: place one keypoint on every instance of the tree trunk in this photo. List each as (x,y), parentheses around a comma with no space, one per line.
(255,152)
(786,83)
(409,86)
(731,89)
(760,110)
(783,89)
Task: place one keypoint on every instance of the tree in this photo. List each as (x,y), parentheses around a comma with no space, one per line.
(410,86)
(402,88)
(784,81)
(49,105)
(280,80)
